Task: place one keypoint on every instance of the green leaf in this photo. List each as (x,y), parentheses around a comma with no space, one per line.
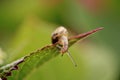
(19,69)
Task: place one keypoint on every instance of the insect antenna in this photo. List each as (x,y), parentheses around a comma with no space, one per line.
(70,56)
(72,59)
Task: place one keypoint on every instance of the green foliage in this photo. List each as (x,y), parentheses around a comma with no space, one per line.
(24,28)
(35,59)
(28,63)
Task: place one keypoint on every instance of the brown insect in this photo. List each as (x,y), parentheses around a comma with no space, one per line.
(60,36)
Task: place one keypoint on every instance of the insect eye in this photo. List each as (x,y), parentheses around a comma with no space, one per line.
(54,40)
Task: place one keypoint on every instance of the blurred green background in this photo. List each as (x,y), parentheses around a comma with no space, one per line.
(26,25)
